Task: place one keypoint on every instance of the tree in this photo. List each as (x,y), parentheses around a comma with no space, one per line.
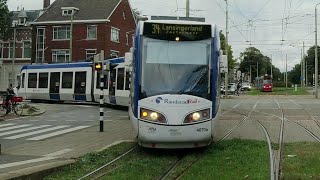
(231,61)
(253,56)
(5,19)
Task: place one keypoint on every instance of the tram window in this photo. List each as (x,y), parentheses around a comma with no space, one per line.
(32,80)
(67,80)
(106,84)
(120,79)
(127,80)
(23,76)
(43,80)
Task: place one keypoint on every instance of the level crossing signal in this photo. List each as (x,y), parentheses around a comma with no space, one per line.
(98,66)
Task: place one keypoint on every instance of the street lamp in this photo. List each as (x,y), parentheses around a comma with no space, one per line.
(316,55)
(73,11)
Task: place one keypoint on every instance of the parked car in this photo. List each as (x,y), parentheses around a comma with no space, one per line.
(245,86)
(232,87)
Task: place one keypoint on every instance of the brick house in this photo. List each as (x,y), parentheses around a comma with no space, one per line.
(95,24)
(12,59)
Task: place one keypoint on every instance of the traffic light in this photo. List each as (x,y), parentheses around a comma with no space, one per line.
(98,66)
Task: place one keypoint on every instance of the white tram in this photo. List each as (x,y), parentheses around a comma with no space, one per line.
(75,82)
(174,96)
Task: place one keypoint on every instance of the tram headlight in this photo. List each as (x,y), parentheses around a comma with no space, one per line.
(150,115)
(197,116)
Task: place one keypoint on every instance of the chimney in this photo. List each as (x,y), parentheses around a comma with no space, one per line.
(46,4)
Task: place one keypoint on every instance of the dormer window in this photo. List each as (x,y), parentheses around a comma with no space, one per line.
(67,12)
(22,21)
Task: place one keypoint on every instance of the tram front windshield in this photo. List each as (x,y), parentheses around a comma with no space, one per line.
(175,67)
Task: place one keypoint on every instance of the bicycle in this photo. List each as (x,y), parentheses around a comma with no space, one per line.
(13,107)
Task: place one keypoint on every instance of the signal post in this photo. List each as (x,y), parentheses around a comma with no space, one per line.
(100,68)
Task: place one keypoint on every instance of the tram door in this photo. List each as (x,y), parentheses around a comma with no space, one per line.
(112,84)
(80,86)
(54,90)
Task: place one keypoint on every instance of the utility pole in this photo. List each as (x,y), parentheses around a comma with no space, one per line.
(257,69)
(226,50)
(286,72)
(303,65)
(306,73)
(316,56)
(188,8)
(301,71)
(250,75)
(13,55)
(271,66)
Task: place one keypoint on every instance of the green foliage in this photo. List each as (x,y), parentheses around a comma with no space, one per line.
(231,61)
(253,56)
(5,19)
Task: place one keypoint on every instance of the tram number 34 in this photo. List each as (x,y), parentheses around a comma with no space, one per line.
(202,130)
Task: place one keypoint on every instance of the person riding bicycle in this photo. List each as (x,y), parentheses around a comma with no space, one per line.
(10,95)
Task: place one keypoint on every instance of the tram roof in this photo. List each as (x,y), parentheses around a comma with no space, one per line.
(70,65)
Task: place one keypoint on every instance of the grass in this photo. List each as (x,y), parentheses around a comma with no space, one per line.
(301,161)
(227,159)
(279,91)
(90,162)
(233,159)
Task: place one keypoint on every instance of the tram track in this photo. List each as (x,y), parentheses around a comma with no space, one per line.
(91,174)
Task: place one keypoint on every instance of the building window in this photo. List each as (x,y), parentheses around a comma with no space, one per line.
(67,80)
(61,33)
(43,80)
(27,49)
(115,34)
(114,53)
(127,39)
(91,32)
(124,15)
(60,56)
(22,21)
(90,54)
(40,45)
(11,50)
(1,50)
(66,12)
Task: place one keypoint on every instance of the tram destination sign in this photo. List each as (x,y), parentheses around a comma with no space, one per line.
(177,32)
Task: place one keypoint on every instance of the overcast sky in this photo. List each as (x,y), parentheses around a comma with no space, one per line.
(276,27)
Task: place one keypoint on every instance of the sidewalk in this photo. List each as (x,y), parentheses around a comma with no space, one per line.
(36,159)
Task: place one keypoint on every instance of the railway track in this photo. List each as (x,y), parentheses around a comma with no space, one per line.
(96,171)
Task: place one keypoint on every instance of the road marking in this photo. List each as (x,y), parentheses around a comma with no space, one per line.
(23,130)
(2,166)
(57,133)
(57,153)
(19,118)
(52,120)
(88,120)
(4,125)
(15,127)
(35,132)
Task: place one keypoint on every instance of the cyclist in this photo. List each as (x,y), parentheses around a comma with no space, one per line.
(10,95)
